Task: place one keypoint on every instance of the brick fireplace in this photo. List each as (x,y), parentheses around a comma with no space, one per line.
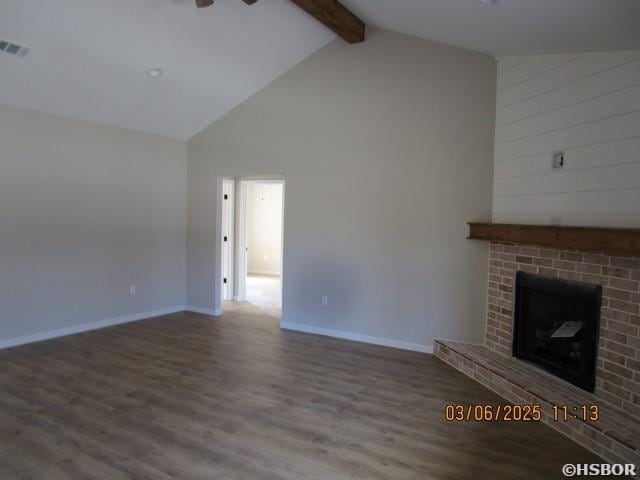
(572,255)
(618,365)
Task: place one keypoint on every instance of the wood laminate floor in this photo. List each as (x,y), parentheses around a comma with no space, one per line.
(187,396)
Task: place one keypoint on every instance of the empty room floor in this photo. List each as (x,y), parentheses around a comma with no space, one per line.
(264,291)
(192,397)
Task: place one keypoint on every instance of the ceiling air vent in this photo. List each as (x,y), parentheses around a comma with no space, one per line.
(13,49)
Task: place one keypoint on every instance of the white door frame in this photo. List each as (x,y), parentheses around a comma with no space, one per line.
(227,240)
(243,236)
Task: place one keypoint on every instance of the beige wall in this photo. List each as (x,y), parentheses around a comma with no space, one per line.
(264,228)
(387,151)
(85,212)
(587,105)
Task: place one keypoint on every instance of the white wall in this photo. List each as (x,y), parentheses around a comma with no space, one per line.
(86,211)
(264,228)
(387,151)
(587,105)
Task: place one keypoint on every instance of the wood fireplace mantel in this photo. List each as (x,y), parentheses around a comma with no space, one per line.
(621,241)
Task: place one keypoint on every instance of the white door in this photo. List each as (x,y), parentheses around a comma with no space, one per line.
(227,239)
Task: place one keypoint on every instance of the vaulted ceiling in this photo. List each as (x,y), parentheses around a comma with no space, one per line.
(89,58)
(511,27)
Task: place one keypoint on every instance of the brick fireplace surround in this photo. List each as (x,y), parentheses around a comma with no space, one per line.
(618,368)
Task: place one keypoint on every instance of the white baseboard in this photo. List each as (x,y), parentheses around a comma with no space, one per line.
(385,342)
(85,327)
(272,273)
(204,311)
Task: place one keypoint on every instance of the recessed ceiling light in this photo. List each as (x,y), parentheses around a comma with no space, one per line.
(491,3)
(154,72)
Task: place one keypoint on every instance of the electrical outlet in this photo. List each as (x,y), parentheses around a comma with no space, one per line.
(325,300)
(132,289)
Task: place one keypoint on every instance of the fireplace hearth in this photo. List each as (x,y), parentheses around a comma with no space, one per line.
(556,326)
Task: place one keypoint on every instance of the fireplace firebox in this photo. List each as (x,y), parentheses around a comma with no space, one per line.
(556,326)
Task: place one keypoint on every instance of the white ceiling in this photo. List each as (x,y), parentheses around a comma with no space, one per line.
(89,57)
(513,27)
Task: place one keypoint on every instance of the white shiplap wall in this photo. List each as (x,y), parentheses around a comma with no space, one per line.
(587,105)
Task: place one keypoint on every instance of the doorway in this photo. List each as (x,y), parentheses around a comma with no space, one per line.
(261,220)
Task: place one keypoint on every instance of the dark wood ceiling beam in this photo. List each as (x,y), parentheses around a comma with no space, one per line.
(336,17)
(330,13)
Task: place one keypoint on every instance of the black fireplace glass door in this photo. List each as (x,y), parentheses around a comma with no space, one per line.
(556,326)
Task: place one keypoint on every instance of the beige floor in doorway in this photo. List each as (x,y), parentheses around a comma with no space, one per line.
(264,291)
